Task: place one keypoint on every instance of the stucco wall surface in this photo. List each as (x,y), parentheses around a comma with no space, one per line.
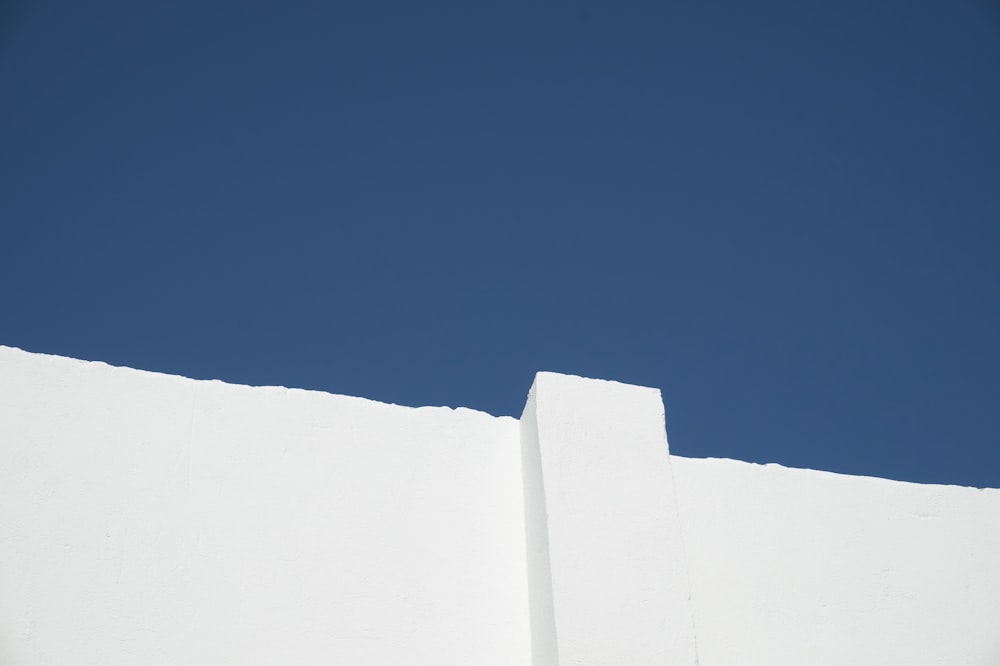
(151,519)
(792,567)
(615,582)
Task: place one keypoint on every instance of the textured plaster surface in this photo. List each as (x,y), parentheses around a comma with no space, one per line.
(153,519)
(619,582)
(792,566)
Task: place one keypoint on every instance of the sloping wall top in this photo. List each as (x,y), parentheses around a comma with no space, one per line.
(153,519)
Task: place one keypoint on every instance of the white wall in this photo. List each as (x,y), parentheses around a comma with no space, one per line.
(149,519)
(792,567)
(152,519)
(611,546)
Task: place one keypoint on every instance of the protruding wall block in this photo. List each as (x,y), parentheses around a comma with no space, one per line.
(602,527)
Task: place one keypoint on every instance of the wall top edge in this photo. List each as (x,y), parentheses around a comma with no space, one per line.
(546,376)
(69,361)
(786,470)
(543,378)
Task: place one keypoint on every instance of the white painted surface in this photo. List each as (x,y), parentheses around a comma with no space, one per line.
(791,567)
(541,612)
(152,519)
(619,582)
(149,519)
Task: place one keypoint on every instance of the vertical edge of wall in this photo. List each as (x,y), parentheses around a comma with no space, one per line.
(608,581)
(541,611)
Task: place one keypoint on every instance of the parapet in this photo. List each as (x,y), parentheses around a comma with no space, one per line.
(154,519)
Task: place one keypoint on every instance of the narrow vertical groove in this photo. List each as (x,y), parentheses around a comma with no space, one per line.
(684,551)
(541,606)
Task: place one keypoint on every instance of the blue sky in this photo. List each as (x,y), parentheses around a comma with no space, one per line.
(784,214)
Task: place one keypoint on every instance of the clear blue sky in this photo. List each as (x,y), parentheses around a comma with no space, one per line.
(785,214)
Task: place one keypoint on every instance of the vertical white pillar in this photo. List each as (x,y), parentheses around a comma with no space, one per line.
(607,576)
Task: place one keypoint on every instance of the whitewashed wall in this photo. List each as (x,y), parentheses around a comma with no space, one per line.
(149,519)
(792,566)
(152,519)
